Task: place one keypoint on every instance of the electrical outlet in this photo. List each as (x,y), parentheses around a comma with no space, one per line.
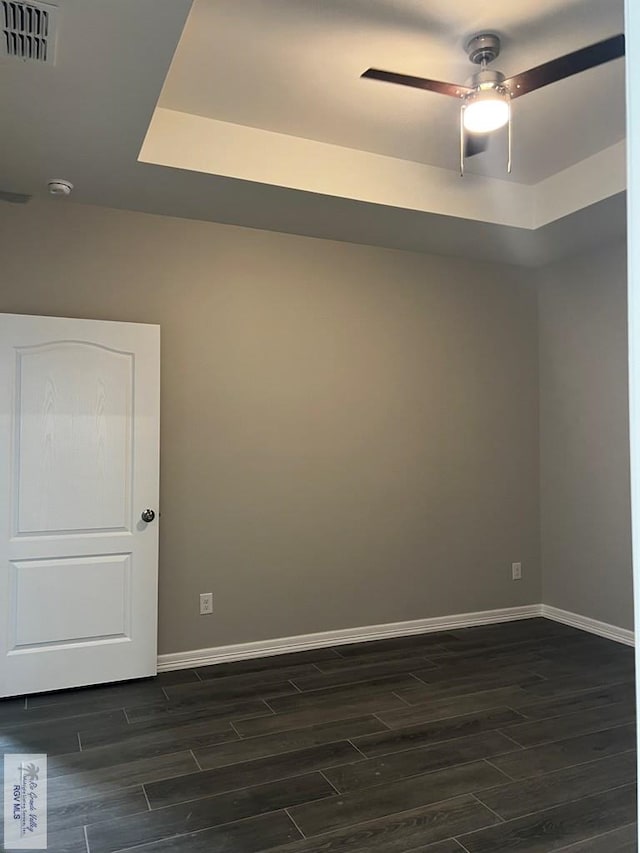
(516,571)
(206,603)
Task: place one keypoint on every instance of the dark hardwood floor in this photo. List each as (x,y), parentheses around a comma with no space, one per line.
(517,737)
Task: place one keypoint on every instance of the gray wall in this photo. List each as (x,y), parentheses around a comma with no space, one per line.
(584,437)
(349,434)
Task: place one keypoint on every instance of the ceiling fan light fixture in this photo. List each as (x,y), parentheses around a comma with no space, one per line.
(486,100)
(486,110)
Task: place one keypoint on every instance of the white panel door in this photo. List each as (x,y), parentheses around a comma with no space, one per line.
(79,461)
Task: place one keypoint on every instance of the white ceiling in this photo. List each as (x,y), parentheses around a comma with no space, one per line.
(86,118)
(294,66)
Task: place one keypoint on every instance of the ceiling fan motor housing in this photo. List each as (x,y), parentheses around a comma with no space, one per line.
(487,79)
(482,48)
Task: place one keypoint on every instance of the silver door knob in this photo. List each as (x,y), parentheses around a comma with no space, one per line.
(148,515)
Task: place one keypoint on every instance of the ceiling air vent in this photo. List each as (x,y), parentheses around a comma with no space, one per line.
(28,30)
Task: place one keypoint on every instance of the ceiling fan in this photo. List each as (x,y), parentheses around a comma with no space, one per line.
(486,102)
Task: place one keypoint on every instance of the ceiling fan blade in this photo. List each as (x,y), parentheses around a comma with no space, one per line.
(418,82)
(475,143)
(566,66)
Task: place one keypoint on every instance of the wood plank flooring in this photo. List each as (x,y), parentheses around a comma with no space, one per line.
(517,737)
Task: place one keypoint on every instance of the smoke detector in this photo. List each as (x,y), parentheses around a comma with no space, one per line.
(28,30)
(59,187)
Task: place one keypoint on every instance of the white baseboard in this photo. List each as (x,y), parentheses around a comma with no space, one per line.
(284,645)
(593,626)
(266,648)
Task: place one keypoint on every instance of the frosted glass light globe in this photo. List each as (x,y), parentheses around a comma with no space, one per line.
(485,112)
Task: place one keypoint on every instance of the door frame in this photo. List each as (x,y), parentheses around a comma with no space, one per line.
(632,32)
